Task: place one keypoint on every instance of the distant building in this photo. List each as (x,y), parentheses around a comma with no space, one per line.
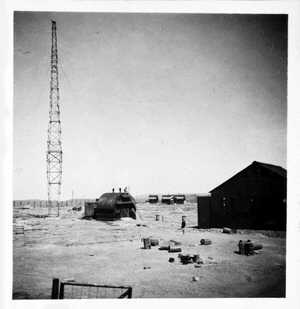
(179,199)
(254,198)
(153,199)
(167,199)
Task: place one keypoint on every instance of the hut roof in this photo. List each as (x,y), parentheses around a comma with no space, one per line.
(167,196)
(275,169)
(113,199)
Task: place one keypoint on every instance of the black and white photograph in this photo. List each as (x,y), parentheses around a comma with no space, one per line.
(149,155)
(162,138)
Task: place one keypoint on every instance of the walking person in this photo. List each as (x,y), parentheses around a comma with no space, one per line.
(183,224)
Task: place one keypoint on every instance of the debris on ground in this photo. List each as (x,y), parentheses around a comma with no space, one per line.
(195,278)
(186,259)
(171,260)
(171,245)
(190,259)
(196,258)
(257,247)
(205,241)
(154,242)
(170,249)
(248,247)
(147,243)
(227,230)
(164,248)
(200,261)
(106,239)
(174,249)
(77,208)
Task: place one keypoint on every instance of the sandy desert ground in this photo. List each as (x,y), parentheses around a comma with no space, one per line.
(90,251)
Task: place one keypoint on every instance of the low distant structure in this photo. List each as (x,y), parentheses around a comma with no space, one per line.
(153,199)
(111,206)
(77,208)
(179,199)
(167,199)
(254,198)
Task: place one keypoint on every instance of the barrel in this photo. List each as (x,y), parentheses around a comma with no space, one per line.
(154,242)
(164,248)
(196,258)
(157,217)
(147,243)
(227,230)
(186,259)
(257,246)
(173,250)
(249,247)
(205,241)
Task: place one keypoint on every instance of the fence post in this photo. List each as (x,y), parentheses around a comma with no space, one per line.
(55,288)
(130,292)
(61,291)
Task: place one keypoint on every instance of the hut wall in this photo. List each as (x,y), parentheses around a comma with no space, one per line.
(254,199)
(203,208)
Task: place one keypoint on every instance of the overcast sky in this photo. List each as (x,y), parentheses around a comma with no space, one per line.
(161,103)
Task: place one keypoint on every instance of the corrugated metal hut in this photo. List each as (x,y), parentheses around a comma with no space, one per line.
(179,199)
(113,206)
(167,199)
(254,198)
(153,199)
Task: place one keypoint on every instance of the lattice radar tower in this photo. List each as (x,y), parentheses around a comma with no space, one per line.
(54,147)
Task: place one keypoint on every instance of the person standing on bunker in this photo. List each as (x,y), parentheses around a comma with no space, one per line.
(183,224)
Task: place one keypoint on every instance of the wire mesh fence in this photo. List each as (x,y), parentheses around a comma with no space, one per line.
(75,290)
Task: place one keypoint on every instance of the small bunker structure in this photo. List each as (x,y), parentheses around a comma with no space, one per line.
(167,199)
(153,199)
(179,199)
(112,206)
